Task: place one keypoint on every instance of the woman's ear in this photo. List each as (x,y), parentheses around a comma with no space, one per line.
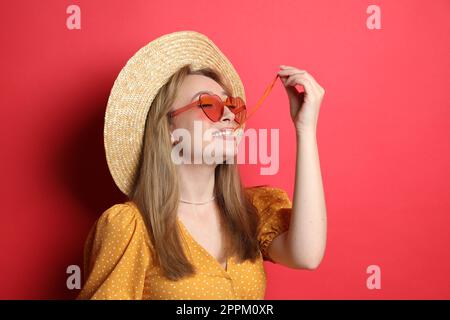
(171,128)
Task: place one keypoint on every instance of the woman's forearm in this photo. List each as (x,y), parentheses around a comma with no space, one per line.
(308,227)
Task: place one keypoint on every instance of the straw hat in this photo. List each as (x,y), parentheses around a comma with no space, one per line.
(137,85)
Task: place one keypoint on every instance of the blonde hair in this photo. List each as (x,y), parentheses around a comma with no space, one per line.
(156,189)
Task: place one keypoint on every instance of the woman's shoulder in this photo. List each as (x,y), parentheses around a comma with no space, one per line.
(274,208)
(267,194)
(120,214)
(122,220)
(116,255)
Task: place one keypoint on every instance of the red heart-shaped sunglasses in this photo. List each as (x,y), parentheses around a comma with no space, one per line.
(213,106)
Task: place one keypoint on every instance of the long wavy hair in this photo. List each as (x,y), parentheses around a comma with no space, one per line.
(156,189)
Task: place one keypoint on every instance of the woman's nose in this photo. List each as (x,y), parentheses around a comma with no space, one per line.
(227,114)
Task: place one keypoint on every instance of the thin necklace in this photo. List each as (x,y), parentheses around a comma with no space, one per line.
(198,202)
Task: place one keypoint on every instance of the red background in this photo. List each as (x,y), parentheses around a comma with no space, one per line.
(383,132)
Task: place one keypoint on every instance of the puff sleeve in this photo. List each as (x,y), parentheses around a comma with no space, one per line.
(116,256)
(274,208)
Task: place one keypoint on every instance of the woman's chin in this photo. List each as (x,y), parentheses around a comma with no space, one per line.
(228,155)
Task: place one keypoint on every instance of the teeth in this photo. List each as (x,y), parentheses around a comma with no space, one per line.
(226,132)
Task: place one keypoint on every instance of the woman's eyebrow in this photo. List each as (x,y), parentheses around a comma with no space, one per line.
(200,92)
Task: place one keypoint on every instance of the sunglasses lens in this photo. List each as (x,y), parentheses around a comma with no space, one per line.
(237,106)
(212,106)
(240,116)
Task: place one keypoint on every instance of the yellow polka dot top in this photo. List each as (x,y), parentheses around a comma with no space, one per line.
(118,258)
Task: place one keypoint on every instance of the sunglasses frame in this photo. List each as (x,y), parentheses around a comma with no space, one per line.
(198,103)
(246,117)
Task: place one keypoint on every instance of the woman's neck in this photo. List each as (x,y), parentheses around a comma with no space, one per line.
(196,182)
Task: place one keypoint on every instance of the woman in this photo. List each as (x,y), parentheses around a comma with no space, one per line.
(191,230)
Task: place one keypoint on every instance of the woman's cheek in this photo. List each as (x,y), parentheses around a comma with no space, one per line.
(207,131)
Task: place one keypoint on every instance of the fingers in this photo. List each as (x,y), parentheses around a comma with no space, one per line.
(294,77)
(298,76)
